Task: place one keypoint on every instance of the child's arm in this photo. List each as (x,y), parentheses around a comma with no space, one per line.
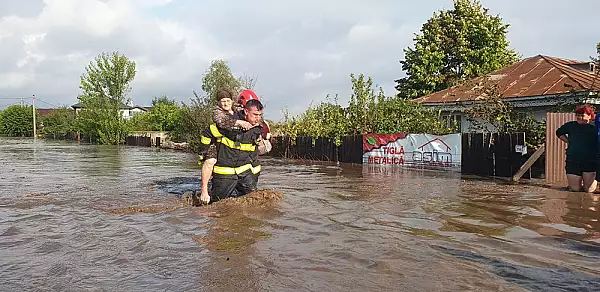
(225,120)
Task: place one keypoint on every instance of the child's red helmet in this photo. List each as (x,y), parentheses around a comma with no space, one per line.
(247,95)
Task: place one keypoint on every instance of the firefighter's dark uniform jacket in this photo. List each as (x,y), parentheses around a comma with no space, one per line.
(237,169)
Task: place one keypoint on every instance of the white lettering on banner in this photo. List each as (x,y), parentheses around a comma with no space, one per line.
(413,150)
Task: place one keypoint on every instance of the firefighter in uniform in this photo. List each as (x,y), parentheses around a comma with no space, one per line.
(237,168)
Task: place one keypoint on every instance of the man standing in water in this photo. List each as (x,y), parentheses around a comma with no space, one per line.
(223,118)
(237,169)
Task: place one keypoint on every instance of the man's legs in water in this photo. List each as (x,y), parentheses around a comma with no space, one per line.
(207,169)
(224,186)
(247,183)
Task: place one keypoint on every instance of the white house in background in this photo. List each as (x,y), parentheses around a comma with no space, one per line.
(127,111)
(535,85)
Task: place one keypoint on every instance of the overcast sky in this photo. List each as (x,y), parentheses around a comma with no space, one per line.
(300,51)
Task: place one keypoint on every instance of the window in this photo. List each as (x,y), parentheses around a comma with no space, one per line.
(452,121)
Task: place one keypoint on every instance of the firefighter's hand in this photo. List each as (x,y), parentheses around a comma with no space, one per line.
(204,198)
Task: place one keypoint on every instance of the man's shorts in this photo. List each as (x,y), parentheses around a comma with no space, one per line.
(579,167)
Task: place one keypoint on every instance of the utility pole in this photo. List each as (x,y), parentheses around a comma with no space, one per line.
(34,125)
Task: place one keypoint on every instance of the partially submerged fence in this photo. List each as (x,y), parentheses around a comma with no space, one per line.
(324,149)
(146,138)
(501,155)
(481,154)
(138,141)
(555,148)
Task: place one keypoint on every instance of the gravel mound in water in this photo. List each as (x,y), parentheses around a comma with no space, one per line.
(264,197)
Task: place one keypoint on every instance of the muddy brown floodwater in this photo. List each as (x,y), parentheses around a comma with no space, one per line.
(107,218)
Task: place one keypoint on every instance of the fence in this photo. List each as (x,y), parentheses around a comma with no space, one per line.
(555,149)
(310,148)
(486,154)
(139,141)
(483,154)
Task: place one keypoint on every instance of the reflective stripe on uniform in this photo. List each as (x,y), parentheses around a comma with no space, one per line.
(236,170)
(239,146)
(205,140)
(228,142)
(215,132)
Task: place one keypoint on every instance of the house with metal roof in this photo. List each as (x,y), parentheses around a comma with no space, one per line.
(536,85)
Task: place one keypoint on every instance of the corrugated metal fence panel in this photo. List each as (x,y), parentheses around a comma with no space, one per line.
(555,148)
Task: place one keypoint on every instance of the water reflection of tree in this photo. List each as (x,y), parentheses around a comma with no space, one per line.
(102,160)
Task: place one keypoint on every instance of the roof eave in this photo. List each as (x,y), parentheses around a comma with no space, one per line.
(530,101)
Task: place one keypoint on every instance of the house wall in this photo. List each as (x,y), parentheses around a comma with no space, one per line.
(466,125)
(136,110)
(125,113)
(129,113)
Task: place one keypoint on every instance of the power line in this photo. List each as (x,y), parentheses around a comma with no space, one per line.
(13,97)
(46,102)
(9,104)
(23,103)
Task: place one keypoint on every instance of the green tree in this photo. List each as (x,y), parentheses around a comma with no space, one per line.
(596,60)
(105,85)
(59,124)
(218,76)
(327,119)
(194,119)
(17,120)
(165,116)
(399,115)
(361,105)
(367,112)
(140,122)
(454,45)
(197,116)
(246,81)
(493,114)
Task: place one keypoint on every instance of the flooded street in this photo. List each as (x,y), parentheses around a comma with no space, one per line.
(109,218)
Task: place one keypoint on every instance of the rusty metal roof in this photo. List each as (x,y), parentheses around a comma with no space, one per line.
(534,76)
